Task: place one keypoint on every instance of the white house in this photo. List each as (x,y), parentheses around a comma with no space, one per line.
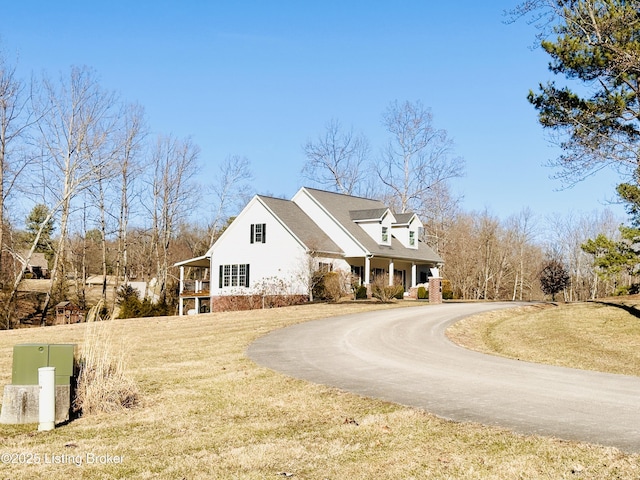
(274,239)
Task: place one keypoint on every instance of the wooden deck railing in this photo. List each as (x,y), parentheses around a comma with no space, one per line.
(195,288)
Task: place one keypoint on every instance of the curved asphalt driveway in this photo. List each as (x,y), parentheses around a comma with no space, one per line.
(403,356)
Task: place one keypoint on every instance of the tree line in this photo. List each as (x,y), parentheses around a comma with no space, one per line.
(86,162)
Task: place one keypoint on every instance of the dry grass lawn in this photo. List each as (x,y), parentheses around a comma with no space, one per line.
(208,412)
(590,336)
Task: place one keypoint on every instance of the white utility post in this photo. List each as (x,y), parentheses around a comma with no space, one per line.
(47,399)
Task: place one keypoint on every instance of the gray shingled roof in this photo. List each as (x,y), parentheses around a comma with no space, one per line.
(370,214)
(403,218)
(341,206)
(301,225)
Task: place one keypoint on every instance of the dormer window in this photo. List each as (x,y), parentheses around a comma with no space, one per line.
(412,238)
(377,222)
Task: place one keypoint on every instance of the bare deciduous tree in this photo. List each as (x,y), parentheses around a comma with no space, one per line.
(74,117)
(522,228)
(101,152)
(14,120)
(439,210)
(174,164)
(129,146)
(337,160)
(231,191)
(489,259)
(418,157)
(566,235)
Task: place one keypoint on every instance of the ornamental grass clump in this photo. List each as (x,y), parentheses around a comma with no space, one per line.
(103,384)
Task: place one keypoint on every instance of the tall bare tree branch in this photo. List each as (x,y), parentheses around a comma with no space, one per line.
(337,159)
(418,156)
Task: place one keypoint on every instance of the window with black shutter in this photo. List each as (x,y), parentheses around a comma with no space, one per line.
(236,275)
(258,233)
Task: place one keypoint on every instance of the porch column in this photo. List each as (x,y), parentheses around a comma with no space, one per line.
(414,275)
(367,270)
(181,287)
(391,272)
(197,305)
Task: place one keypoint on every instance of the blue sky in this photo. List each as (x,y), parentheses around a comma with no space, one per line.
(259,79)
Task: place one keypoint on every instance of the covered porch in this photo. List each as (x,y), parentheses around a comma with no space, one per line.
(195,286)
(392,271)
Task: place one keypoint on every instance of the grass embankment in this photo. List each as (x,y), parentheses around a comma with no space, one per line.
(208,412)
(590,336)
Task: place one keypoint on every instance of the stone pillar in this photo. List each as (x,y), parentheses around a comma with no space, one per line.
(435,290)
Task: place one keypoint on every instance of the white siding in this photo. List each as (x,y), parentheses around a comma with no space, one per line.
(401,232)
(281,255)
(374,229)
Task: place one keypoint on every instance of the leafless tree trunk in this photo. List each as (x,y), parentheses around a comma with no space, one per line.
(81,279)
(337,160)
(105,169)
(133,133)
(174,166)
(523,228)
(100,199)
(14,120)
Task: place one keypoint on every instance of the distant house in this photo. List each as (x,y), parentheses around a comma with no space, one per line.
(273,238)
(37,265)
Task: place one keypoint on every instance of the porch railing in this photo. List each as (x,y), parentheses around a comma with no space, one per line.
(195,287)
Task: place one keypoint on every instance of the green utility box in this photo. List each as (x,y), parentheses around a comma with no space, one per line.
(27,358)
